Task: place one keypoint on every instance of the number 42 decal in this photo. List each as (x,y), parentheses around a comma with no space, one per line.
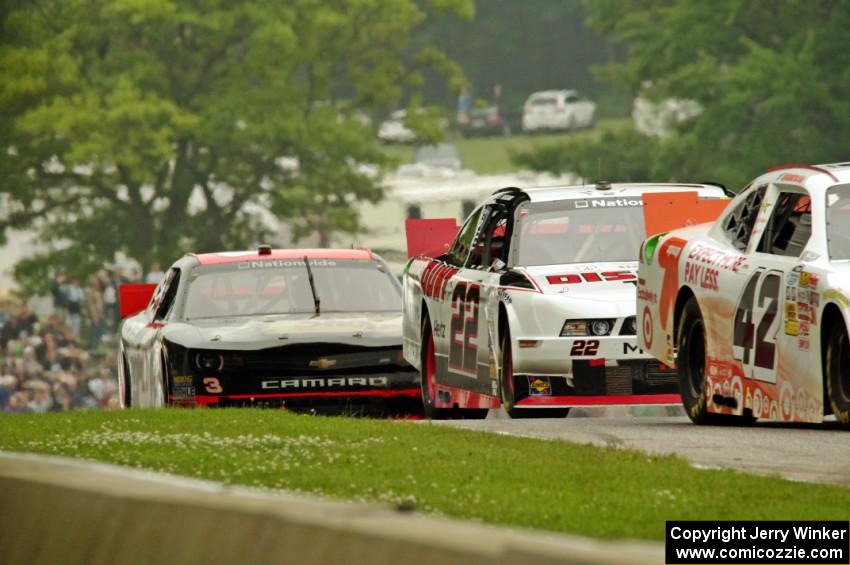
(756,325)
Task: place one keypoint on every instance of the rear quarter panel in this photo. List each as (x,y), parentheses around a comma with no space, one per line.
(424,285)
(412,311)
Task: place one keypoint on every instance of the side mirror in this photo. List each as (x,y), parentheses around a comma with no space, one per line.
(497,265)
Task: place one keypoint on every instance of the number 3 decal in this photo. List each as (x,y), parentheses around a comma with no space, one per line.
(212,385)
(755,326)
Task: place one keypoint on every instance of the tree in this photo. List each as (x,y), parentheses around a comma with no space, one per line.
(522,46)
(772,77)
(621,155)
(151,127)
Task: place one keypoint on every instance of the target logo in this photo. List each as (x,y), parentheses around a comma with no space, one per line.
(738,390)
(786,401)
(758,405)
(647,327)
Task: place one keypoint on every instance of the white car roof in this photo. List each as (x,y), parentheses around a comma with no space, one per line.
(552,193)
(815,178)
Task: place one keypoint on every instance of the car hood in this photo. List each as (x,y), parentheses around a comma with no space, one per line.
(366,329)
(596,282)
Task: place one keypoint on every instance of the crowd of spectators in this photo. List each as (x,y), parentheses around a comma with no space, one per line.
(66,359)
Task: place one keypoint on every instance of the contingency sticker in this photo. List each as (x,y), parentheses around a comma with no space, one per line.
(539,386)
(792,326)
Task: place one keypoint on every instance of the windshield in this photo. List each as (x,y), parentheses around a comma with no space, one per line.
(276,286)
(578,231)
(838,222)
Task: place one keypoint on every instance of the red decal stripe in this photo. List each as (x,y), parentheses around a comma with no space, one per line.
(285,254)
(801,166)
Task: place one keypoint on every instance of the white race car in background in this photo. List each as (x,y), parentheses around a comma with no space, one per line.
(533,305)
(753,309)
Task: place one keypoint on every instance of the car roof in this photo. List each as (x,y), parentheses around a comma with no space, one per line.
(553,193)
(236,256)
(815,178)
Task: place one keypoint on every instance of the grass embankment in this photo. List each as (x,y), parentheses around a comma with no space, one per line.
(552,485)
(491,155)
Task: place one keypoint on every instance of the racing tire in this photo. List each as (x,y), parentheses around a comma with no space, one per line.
(428,374)
(506,388)
(690,361)
(166,382)
(837,367)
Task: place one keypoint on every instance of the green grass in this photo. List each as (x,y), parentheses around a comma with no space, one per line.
(491,155)
(552,485)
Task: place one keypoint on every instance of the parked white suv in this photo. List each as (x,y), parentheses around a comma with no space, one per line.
(557,110)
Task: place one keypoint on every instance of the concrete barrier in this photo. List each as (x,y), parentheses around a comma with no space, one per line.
(57,510)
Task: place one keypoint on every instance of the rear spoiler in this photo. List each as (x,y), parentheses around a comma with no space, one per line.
(430,237)
(665,211)
(133,298)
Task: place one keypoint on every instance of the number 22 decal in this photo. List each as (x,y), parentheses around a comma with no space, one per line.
(755,326)
(463,353)
(583,348)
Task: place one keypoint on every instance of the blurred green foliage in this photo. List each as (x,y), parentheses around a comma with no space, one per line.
(524,46)
(154,127)
(771,75)
(622,155)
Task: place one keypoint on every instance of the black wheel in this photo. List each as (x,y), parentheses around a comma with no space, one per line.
(428,374)
(838,373)
(166,381)
(691,364)
(124,375)
(508,391)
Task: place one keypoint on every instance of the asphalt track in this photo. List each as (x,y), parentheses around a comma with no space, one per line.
(817,453)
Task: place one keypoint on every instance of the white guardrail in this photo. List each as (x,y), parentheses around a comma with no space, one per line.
(55,510)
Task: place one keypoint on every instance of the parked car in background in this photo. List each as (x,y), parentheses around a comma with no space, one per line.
(549,110)
(485,122)
(442,155)
(394,130)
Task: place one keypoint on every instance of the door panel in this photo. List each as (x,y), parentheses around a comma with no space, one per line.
(775,324)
